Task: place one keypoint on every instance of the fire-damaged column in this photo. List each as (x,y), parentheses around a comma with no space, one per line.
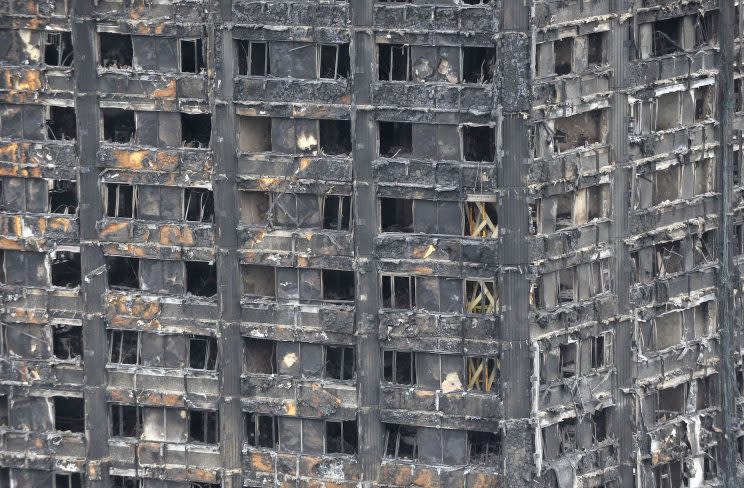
(622,388)
(92,259)
(513,55)
(727,281)
(222,55)
(365,228)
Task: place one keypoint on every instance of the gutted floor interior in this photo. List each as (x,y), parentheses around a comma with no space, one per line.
(341,243)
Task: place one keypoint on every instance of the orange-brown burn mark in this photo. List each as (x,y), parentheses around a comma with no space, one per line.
(290,408)
(422,270)
(169,91)
(16,225)
(305,163)
(10,245)
(63,224)
(482,480)
(9,152)
(131,159)
(112,228)
(121,395)
(261,462)
(172,235)
(167,161)
(302,262)
(200,474)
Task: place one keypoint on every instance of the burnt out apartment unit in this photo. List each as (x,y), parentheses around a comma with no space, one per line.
(358,243)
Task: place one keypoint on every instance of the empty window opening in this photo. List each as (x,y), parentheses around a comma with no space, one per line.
(710,464)
(124,346)
(668,111)
(336,212)
(481,219)
(482,373)
(259,355)
(478,143)
(599,425)
(667,184)
(400,442)
(566,285)
(118,125)
(116,50)
(704,317)
(567,436)
(58,49)
(124,482)
(339,362)
(564,210)
(478,64)
(120,200)
(258,280)
(123,272)
(196,130)
(334,61)
(398,292)
(192,56)
(667,330)
(667,36)
(669,259)
(481,297)
(396,215)
(399,367)
(341,437)
(61,125)
(668,475)
(253,58)
(704,106)
(395,139)
(199,205)
(63,197)
(203,353)
(670,402)
(126,421)
(394,62)
(69,414)
(707,395)
(579,130)
(203,426)
(338,285)
(484,448)
(706,28)
(568,363)
(476,2)
(201,278)
(67,480)
(704,248)
(705,176)
(335,136)
(595,45)
(254,134)
(563,55)
(67,341)
(65,268)
(3,412)
(262,430)
(601,348)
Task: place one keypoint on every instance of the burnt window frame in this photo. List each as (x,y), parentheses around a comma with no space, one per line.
(200,60)
(63,60)
(208,418)
(393,376)
(211,353)
(392,437)
(119,430)
(117,336)
(344,352)
(392,297)
(248,56)
(344,427)
(252,422)
(406,49)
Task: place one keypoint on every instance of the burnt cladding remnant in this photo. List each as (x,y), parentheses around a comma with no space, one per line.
(369,243)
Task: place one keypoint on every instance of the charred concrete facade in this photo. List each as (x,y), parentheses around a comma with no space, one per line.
(352,243)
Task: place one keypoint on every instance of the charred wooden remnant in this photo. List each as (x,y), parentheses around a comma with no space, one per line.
(340,243)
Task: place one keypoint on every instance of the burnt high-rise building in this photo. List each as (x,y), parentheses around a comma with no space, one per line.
(335,244)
